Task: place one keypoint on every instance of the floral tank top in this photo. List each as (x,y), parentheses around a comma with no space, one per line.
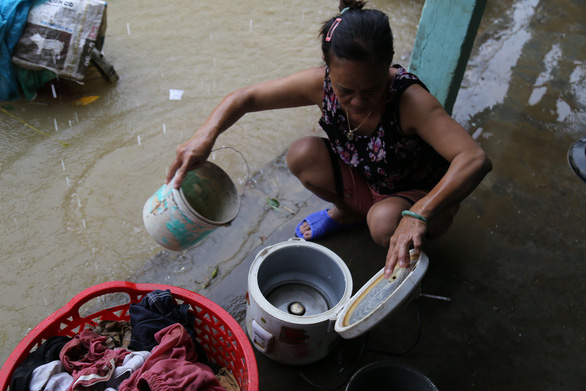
(391,160)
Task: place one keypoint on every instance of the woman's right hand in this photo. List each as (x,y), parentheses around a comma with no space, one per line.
(192,154)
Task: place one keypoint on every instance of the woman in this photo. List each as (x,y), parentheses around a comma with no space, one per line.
(393,156)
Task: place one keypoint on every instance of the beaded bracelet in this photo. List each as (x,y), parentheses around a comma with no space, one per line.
(415,215)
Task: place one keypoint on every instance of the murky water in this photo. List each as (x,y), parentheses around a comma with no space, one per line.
(71,216)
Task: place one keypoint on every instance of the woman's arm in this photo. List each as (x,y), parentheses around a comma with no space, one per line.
(421,113)
(300,89)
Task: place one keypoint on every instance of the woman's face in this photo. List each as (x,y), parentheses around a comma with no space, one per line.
(359,85)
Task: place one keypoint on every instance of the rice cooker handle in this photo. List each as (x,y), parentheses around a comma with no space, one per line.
(262,339)
(265,250)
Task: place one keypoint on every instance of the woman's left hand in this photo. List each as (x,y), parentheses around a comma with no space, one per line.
(409,234)
(422,114)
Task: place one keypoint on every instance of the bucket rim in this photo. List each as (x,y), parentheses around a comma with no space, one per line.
(179,195)
(395,364)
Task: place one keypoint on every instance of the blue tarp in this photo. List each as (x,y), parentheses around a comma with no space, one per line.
(13,15)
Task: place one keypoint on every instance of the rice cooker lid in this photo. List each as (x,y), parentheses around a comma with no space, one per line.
(379,297)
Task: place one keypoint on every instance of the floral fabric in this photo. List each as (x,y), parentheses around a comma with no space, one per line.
(391,160)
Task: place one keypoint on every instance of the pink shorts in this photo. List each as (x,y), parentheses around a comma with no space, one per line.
(359,196)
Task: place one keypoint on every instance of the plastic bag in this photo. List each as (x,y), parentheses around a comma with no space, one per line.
(13,16)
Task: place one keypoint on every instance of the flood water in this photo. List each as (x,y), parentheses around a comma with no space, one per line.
(71,216)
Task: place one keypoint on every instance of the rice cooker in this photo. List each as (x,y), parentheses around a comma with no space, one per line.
(299,300)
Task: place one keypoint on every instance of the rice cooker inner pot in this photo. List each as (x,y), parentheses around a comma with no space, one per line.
(301,281)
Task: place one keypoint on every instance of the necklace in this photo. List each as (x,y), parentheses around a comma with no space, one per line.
(350,135)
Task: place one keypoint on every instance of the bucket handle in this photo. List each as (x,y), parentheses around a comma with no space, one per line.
(247,170)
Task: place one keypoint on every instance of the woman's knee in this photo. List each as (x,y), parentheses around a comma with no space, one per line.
(305,153)
(383,219)
(381,231)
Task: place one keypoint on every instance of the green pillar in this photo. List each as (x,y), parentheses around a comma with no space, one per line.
(444,40)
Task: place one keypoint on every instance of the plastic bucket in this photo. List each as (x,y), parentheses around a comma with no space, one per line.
(386,375)
(206,200)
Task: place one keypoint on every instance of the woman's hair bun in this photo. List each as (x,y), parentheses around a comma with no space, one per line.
(351,4)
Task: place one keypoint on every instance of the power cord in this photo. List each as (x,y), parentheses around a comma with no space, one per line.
(364,348)
(401,353)
(344,381)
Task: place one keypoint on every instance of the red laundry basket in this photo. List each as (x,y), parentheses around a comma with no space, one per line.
(224,341)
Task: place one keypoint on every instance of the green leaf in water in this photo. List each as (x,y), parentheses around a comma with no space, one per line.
(215,272)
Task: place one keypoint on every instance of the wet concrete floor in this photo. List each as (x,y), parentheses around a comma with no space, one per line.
(511,265)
